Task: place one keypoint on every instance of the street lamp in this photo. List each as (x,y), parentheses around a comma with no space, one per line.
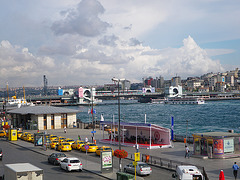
(119,127)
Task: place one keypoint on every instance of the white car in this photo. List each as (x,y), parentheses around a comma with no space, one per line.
(71,163)
(141,168)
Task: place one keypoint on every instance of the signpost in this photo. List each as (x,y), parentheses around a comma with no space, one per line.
(136,158)
(86,147)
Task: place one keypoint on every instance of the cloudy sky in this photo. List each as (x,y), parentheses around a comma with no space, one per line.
(81,42)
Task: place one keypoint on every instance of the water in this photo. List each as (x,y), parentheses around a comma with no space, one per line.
(212,116)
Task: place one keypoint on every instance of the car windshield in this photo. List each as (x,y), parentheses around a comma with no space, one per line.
(66,144)
(143,165)
(74,161)
(69,140)
(108,148)
(91,144)
(61,155)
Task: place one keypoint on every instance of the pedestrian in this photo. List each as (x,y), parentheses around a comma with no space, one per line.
(187,151)
(79,138)
(235,170)
(86,140)
(65,129)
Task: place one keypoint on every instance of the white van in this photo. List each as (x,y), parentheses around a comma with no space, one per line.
(186,172)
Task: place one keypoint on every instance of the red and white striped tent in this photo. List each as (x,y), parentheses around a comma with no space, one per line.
(148,136)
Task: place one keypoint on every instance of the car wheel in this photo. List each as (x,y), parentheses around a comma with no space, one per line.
(60,150)
(125,170)
(80,170)
(54,163)
(67,169)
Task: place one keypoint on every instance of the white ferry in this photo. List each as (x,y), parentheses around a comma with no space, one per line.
(184,100)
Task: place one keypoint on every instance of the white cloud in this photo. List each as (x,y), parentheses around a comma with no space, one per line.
(92,41)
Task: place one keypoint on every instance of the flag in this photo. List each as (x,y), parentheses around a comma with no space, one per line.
(93,111)
(102,118)
(172,132)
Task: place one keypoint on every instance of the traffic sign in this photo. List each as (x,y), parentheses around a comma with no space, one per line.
(137,156)
(86,147)
(93,131)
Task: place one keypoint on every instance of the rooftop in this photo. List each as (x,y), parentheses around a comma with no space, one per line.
(41,110)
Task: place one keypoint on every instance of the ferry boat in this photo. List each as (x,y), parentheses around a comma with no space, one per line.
(184,100)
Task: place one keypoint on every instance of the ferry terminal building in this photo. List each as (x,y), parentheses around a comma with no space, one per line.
(43,117)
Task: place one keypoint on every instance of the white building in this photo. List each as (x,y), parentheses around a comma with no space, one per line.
(43,117)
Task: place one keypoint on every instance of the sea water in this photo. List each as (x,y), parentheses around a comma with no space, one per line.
(211,116)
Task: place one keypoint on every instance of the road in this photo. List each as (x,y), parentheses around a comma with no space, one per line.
(15,154)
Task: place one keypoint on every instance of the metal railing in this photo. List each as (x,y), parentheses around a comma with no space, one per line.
(166,163)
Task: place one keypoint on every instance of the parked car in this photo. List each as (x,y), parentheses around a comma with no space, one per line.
(53,143)
(185,172)
(30,137)
(19,134)
(70,141)
(63,146)
(104,148)
(78,144)
(60,139)
(92,147)
(56,158)
(1,154)
(142,168)
(24,136)
(53,137)
(71,163)
(3,133)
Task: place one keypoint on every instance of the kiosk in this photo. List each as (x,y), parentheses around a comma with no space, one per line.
(12,135)
(217,144)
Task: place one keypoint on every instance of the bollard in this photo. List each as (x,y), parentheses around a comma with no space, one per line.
(185,141)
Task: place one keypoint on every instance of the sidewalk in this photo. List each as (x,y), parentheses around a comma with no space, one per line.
(212,166)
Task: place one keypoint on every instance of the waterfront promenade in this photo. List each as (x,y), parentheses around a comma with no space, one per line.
(212,166)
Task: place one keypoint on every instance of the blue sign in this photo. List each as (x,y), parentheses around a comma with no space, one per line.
(93,131)
(86,147)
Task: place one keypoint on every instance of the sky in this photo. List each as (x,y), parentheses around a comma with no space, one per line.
(88,42)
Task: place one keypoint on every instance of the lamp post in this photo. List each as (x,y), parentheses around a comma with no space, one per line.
(119,125)
(186,131)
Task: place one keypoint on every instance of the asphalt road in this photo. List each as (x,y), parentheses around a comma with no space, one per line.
(15,154)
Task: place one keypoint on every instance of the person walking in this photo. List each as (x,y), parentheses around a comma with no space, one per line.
(186,151)
(79,138)
(235,170)
(86,140)
(65,129)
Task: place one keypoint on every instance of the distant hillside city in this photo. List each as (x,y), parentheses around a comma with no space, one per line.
(211,82)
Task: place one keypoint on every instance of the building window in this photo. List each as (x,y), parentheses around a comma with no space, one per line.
(45,121)
(52,121)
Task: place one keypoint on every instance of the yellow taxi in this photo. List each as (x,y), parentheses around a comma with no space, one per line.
(63,146)
(24,135)
(29,137)
(70,141)
(53,143)
(61,139)
(53,137)
(104,148)
(91,147)
(19,134)
(3,133)
(78,144)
